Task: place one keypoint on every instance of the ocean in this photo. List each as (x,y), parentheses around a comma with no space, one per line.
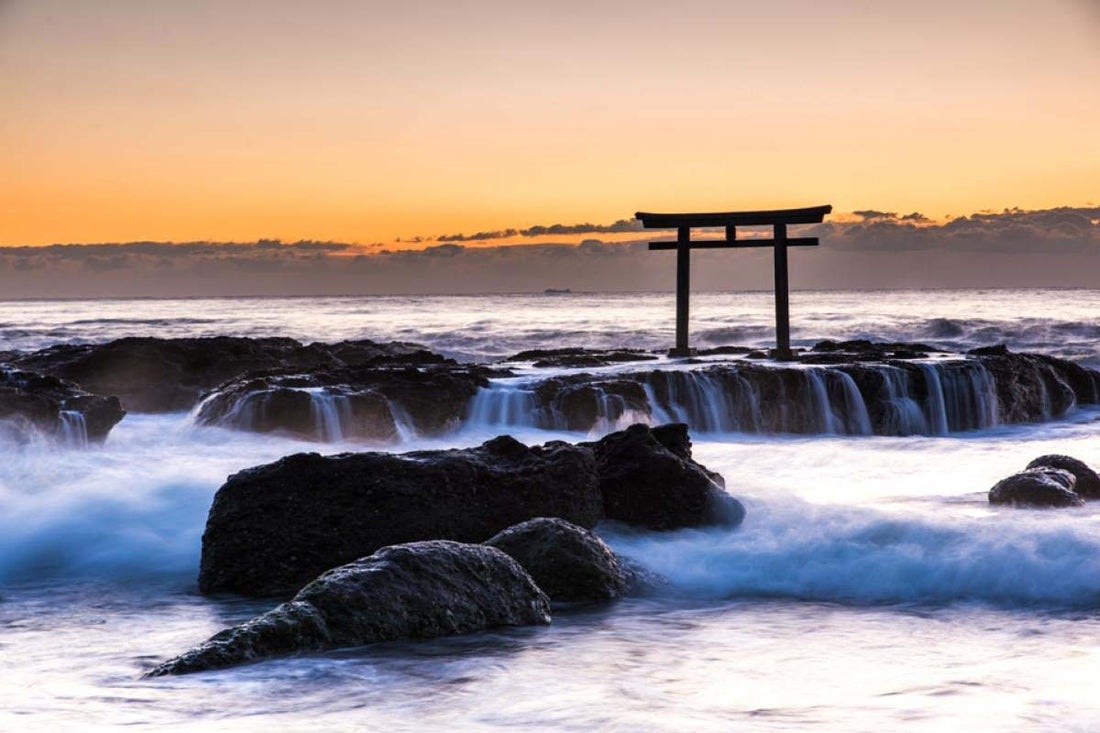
(870,587)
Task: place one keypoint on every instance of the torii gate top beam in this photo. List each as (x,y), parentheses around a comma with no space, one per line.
(812,215)
(777,219)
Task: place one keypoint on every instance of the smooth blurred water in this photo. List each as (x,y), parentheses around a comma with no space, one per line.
(870,588)
(1061,322)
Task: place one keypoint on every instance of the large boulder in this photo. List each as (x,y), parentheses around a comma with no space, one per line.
(33,404)
(274,527)
(420,590)
(1037,487)
(271,528)
(166,375)
(377,401)
(569,563)
(1087,482)
(648,479)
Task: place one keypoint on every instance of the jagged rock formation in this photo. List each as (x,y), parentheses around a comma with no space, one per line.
(273,527)
(166,375)
(34,404)
(412,591)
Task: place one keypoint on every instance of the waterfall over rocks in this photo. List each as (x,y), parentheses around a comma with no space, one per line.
(889,390)
(932,397)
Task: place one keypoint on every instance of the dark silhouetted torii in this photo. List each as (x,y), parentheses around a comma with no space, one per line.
(779,220)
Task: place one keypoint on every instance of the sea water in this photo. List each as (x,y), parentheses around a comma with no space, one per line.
(871,586)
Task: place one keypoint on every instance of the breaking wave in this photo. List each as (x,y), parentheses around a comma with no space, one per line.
(855,555)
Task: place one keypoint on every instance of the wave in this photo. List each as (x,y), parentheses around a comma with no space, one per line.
(810,552)
(135,507)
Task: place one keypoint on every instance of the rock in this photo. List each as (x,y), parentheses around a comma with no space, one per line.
(579,357)
(1029,388)
(34,403)
(645,484)
(582,402)
(569,563)
(1087,482)
(274,527)
(1037,487)
(420,590)
(372,401)
(166,375)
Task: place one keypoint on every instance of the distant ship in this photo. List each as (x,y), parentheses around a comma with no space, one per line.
(557,291)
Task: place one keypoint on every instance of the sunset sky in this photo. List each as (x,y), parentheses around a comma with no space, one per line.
(368,121)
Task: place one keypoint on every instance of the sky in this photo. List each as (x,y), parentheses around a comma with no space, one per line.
(392,126)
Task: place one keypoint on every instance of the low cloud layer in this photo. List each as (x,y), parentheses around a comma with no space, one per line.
(872,249)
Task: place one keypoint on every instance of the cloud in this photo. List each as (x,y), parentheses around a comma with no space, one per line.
(1051,247)
(552,230)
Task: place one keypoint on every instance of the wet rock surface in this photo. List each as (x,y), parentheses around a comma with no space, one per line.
(580,357)
(569,563)
(1086,480)
(377,400)
(648,479)
(166,375)
(1037,487)
(33,404)
(273,527)
(420,590)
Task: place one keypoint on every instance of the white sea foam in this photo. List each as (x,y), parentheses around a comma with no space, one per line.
(793,549)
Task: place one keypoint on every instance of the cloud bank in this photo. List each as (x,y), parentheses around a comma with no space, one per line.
(872,249)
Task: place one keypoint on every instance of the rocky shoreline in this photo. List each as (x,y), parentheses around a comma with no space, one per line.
(386,393)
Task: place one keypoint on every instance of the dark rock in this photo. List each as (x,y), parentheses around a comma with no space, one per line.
(372,401)
(569,563)
(863,346)
(1038,487)
(165,375)
(722,350)
(1029,388)
(1087,482)
(645,484)
(581,402)
(580,357)
(34,403)
(420,590)
(273,527)
(998,350)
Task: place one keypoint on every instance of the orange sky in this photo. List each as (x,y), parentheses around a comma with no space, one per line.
(367,121)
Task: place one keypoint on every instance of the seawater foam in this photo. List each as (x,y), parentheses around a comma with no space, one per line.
(789,548)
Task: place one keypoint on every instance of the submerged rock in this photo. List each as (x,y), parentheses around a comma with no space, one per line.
(1086,480)
(569,563)
(1037,487)
(273,527)
(648,479)
(38,404)
(420,590)
(166,375)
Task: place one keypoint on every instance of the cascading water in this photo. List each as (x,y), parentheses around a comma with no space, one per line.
(329,414)
(918,398)
(74,429)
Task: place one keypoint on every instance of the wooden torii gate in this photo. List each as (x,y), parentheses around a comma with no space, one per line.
(779,219)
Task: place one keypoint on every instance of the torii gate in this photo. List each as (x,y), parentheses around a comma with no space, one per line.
(683,245)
